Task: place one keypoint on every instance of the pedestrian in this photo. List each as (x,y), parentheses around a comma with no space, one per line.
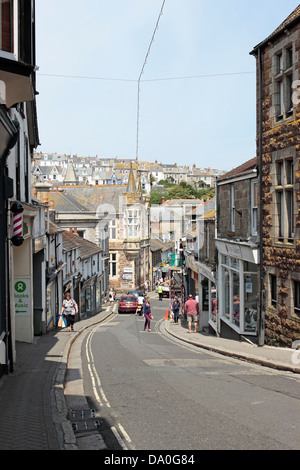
(176,308)
(191,308)
(111,296)
(140,305)
(69,309)
(236,309)
(160,292)
(147,313)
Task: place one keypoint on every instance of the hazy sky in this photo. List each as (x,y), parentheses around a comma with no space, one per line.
(208,119)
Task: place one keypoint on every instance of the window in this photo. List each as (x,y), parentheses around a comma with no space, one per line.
(113,265)
(297,297)
(273,286)
(283,77)
(254,206)
(6,22)
(132,223)
(113,229)
(285,200)
(232,208)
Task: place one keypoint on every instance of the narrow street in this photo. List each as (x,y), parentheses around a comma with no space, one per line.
(153,392)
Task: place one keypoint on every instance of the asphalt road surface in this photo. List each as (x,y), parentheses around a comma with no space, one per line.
(156,393)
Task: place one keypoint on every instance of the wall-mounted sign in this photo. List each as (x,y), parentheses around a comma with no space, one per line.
(22,297)
(128,270)
(127,277)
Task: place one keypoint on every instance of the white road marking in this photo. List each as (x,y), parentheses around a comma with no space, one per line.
(119,432)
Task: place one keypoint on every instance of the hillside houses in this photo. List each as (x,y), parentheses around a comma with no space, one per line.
(95,171)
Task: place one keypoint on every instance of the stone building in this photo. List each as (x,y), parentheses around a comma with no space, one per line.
(129,240)
(278,136)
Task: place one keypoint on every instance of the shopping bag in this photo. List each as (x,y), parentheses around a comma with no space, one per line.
(59,323)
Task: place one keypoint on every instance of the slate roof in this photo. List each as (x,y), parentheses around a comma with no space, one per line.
(244,168)
(63,202)
(86,248)
(289,21)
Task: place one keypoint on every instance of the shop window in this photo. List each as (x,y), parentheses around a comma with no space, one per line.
(239,294)
(250,297)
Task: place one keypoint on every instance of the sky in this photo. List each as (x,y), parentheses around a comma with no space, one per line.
(197,101)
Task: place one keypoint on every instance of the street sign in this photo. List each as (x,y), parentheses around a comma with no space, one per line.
(22,297)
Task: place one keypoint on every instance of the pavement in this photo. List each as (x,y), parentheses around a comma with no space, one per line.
(35,399)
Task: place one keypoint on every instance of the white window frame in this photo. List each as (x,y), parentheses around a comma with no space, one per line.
(254,207)
(285,200)
(113,265)
(14,55)
(232,208)
(113,229)
(133,223)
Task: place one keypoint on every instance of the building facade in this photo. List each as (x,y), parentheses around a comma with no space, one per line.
(238,252)
(19,138)
(278,123)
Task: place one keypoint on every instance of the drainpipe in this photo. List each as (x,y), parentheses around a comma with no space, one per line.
(261,309)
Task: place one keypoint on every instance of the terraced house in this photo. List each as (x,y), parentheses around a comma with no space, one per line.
(278,132)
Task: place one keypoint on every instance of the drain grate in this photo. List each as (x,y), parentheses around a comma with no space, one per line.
(84,420)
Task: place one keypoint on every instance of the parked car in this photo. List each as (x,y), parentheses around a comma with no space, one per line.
(137,293)
(128,303)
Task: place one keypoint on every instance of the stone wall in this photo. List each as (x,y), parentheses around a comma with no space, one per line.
(281,140)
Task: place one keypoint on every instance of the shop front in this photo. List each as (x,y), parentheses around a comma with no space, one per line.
(91,301)
(237,289)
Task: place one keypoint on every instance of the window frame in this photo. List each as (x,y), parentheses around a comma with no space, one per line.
(296,288)
(232,207)
(283,79)
(273,291)
(254,206)
(113,265)
(285,199)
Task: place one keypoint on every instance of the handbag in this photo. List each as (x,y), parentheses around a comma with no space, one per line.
(151,316)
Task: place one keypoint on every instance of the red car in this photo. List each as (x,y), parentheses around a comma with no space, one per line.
(128,303)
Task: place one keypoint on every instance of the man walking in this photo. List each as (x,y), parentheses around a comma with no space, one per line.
(191,308)
(160,292)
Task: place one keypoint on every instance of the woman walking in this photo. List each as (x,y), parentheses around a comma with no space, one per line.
(68,309)
(147,313)
(176,308)
(111,296)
